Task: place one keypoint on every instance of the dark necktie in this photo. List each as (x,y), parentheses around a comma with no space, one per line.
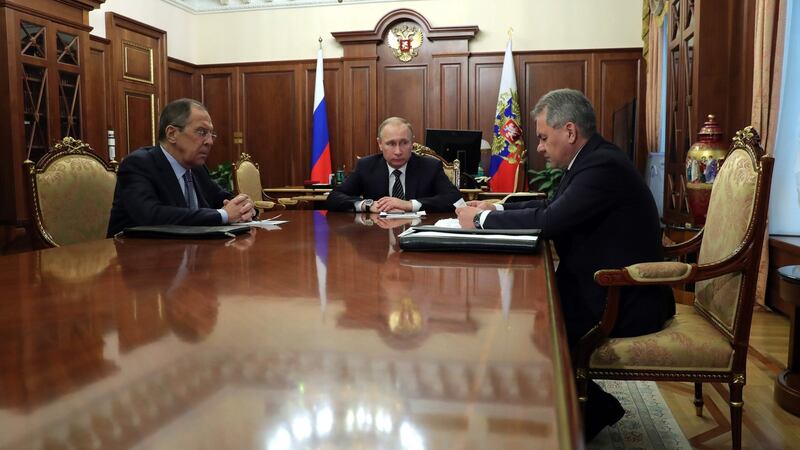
(188,182)
(397,189)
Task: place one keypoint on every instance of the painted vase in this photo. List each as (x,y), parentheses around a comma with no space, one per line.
(702,165)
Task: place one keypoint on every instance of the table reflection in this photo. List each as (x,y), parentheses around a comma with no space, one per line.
(322,334)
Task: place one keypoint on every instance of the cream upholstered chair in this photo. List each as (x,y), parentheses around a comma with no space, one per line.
(707,341)
(452,170)
(247,180)
(72,191)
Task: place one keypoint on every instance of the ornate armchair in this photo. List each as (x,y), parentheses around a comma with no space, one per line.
(453,171)
(247,180)
(72,191)
(706,341)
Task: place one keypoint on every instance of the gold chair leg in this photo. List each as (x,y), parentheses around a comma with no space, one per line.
(737,404)
(698,399)
(582,386)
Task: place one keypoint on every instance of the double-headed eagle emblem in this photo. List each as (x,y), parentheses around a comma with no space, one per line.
(405,42)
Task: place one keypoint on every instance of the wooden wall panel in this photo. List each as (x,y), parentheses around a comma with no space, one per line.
(541,74)
(451,87)
(618,77)
(271,103)
(140,117)
(182,80)
(360,119)
(271,123)
(140,76)
(218,93)
(99,97)
(403,94)
(484,79)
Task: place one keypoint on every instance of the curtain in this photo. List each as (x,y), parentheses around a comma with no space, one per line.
(653,13)
(768,62)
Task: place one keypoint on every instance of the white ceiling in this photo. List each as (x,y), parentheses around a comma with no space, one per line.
(218,6)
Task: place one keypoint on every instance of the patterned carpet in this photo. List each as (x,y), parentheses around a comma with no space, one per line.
(648,422)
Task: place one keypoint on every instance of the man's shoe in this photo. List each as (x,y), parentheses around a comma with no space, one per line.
(602,410)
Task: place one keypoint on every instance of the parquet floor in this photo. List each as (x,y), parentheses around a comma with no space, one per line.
(766,425)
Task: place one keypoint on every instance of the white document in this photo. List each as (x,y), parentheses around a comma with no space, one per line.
(265,224)
(460,203)
(402,215)
(447,223)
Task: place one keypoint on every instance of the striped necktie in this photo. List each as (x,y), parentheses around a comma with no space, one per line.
(191,197)
(397,189)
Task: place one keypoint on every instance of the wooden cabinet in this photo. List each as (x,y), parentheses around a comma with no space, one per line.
(45,44)
(698,83)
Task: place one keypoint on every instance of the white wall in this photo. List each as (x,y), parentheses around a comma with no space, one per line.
(287,34)
(179,24)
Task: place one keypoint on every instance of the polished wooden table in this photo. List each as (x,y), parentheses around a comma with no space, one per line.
(320,334)
(787,384)
(317,196)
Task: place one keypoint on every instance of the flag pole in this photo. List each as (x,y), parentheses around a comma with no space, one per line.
(516,172)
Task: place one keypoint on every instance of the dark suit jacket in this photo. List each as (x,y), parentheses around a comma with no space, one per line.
(148,193)
(426,183)
(603,216)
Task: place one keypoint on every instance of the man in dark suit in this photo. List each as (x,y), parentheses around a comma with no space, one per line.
(395,180)
(602,216)
(169,183)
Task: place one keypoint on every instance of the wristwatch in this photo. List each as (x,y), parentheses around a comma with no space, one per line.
(476,221)
(366,204)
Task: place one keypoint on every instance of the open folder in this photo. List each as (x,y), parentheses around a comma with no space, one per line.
(185,231)
(433,238)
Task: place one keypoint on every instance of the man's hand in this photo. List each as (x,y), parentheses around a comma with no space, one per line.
(482,205)
(391,204)
(239,209)
(466,215)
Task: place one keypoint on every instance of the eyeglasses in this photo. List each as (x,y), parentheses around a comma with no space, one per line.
(202,133)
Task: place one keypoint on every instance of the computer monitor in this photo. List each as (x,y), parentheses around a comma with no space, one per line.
(464,145)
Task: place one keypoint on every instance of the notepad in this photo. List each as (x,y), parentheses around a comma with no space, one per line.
(184,231)
(402,215)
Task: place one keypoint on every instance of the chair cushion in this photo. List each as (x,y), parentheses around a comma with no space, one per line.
(729,213)
(75,193)
(687,342)
(248,179)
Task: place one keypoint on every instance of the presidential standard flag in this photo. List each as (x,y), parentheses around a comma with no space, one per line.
(508,148)
(320,144)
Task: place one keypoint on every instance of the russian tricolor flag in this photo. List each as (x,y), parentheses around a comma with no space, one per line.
(320,144)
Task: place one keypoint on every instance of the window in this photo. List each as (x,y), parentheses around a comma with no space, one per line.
(784,207)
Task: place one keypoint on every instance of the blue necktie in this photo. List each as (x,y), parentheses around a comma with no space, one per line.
(397,189)
(188,182)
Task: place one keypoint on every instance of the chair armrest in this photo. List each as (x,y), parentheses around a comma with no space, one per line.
(682,248)
(667,272)
(287,201)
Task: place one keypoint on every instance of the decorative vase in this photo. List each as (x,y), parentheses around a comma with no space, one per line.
(702,165)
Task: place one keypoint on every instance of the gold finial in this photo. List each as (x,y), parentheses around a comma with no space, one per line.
(510,32)
(320,42)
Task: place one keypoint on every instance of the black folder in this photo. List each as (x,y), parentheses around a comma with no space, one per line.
(433,238)
(185,231)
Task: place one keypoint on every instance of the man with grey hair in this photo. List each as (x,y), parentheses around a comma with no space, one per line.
(602,216)
(396,179)
(169,183)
